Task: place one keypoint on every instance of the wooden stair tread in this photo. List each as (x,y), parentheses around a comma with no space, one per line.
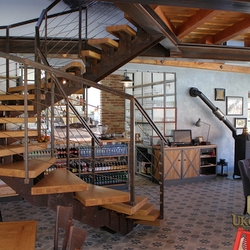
(152,216)
(20,148)
(15,108)
(117,29)
(74,64)
(36,167)
(59,181)
(145,210)
(29,87)
(17,133)
(16,97)
(91,54)
(124,208)
(98,195)
(16,119)
(155,223)
(6,190)
(96,42)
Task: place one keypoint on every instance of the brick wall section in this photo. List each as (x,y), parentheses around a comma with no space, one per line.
(112,107)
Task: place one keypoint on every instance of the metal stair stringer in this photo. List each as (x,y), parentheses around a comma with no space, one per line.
(112,58)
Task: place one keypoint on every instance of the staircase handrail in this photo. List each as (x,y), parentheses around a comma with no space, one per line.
(150,121)
(81,81)
(71,106)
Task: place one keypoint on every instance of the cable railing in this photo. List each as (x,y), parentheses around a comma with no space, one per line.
(49,46)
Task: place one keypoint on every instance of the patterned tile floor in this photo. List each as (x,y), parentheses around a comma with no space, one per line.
(197,216)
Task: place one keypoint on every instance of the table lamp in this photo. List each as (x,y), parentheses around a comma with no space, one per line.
(198,124)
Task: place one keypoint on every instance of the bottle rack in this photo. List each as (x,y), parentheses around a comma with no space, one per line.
(108,167)
(105,150)
(107,178)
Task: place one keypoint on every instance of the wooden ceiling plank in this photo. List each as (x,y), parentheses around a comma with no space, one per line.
(232,31)
(215,66)
(195,21)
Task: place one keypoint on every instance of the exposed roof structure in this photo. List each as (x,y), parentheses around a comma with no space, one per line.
(212,30)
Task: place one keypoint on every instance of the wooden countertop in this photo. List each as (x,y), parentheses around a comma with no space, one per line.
(88,140)
(188,147)
(17,235)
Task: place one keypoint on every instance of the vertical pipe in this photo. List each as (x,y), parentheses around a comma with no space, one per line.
(162,181)
(52,111)
(86,27)
(93,159)
(45,34)
(26,180)
(80,30)
(7,60)
(132,152)
(67,132)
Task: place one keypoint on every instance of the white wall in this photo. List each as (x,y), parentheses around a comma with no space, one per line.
(189,109)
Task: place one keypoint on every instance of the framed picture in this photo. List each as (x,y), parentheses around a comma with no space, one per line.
(234,105)
(219,94)
(240,122)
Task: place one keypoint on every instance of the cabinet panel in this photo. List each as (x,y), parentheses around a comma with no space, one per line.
(191,163)
(172,164)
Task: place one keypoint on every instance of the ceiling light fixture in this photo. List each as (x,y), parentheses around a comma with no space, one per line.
(126,80)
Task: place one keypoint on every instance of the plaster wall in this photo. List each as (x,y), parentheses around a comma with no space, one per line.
(190,109)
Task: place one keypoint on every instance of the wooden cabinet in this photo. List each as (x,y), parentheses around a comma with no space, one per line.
(185,162)
(208,160)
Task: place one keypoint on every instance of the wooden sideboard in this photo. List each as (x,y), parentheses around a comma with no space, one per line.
(184,163)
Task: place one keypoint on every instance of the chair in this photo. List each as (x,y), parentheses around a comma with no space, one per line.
(243,167)
(77,238)
(242,239)
(64,216)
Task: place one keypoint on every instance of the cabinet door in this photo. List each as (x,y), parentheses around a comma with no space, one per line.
(172,164)
(191,163)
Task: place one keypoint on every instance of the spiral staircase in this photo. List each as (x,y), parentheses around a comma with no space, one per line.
(26,176)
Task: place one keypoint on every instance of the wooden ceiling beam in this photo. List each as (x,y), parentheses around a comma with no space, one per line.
(232,31)
(195,21)
(226,5)
(149,21)
(215,66)
(163,17)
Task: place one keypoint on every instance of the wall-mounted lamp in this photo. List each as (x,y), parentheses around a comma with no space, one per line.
(198,124)
(126,80)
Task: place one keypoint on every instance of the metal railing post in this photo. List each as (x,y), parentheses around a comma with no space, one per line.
(132,152)
(26,180)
